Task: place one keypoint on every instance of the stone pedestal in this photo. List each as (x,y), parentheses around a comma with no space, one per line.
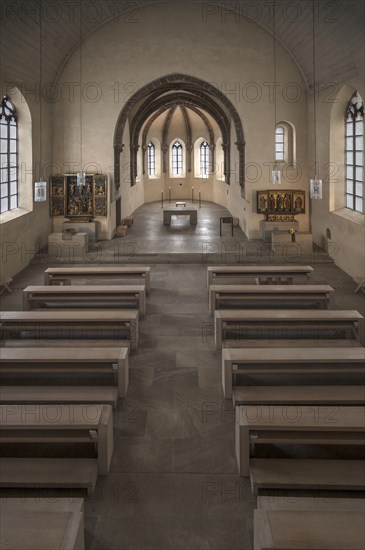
(58,248)
(302,246)
(268,227)
(83,227)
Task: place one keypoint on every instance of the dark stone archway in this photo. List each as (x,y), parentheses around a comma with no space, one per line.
(195,92)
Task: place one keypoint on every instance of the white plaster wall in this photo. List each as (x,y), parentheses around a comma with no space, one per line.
(347,244)
(174,38)
(24,231)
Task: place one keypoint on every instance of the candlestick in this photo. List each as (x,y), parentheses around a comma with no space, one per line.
(200,200)
(169,194)
(192,194)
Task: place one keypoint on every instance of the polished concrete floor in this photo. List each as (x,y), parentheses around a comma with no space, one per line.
(173,483)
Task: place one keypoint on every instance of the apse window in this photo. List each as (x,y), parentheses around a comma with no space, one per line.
(177,159)
(279,143)
(354,154)
(8,156)
(151,159)
(204,159)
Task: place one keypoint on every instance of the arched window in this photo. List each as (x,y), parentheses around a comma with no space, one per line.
(354,153)
(279,143)
(177,159)
(151,159)
(204,159)
(8,156)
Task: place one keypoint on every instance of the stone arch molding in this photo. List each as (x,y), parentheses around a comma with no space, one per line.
(197,93)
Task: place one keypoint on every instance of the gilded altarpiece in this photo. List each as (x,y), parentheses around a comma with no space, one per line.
(281,205)
(79,202)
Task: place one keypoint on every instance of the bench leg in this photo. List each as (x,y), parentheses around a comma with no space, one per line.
(133,334)
(26,301)
(147,281)
(142,303)
(123,378)
(91,490)
(218,333)
(105,440)
(227,378)
(242,445)
(361,331)
(212,302)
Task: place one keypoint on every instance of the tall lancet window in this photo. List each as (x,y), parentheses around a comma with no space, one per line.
(279,143)
(177,159)
(8,156)
(204,159)
(354,153)
(151,159)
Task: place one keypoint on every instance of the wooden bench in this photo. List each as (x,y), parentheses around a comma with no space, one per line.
(70,360)
(49,473)
(59,395)
(88,296)
(292,361)
(97,328)
(245,326)
(299,395)
(47,424)
(304,425)
(263,273)
(301,530)
(64,275)
(312,501)
(269,296)
(295,475)
(34,524)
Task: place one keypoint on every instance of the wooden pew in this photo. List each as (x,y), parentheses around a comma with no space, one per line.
(305,425)
(88,296)
(70,360)
(299,395)
(29,523)
(295,475)
(292,361)
(60,424)
(59,395)
(262,328)
(313,501)
(95,328)
(269,273)
(64,275)
(269,296)
(301,530)
(49,473)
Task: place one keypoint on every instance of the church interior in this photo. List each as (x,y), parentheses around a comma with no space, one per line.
(182,286)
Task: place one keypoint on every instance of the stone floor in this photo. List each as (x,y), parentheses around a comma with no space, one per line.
(173,483)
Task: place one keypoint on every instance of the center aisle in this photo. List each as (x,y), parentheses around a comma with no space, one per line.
(173,482)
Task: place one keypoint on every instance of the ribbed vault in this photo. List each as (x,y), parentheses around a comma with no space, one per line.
(169,93)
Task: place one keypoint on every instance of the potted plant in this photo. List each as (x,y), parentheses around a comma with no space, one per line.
(292,232)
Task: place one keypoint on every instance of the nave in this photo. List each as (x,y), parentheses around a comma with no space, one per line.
(173,480)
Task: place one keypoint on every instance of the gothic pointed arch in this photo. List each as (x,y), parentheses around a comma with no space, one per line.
(190,92)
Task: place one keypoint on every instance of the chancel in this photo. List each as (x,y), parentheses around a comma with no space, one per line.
(182,278)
